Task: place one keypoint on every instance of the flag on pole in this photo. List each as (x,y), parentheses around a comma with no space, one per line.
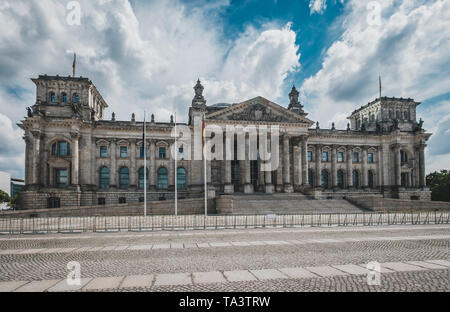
(203,133)
(74,64)
(145,164)
(176,167)
(379,78)
(204,164)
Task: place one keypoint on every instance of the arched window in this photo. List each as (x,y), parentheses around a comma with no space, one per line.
(61,148)
(310,177)
(52,97)
(124,178)
(104,178)
(403,157)
(340,178)
(370,179)
(324,179)
(141,178)
(181,178)
(355,177)
(64,97)
(76,98)
(163,179)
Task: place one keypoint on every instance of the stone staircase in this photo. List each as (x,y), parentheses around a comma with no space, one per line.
(289,203)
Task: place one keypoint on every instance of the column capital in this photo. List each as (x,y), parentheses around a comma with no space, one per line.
(304,138)
(286,136)
(132,140)
(75,135)
(350,147)
(395,146)
(36,134)
(335,146)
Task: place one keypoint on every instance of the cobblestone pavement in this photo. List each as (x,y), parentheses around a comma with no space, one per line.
(413,258)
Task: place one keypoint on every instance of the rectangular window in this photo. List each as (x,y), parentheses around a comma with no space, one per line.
(309,156)
(325,156)
(61,178)
(370,158)
(123,152)
(103,151)
(340,157)
(355,157)
(162,152)
(122,200)
(101,201)
(141,152)
(62,149)
(180,153)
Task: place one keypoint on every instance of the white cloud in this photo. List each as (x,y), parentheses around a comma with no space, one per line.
(146,56)
(12,153)
(317,6)
(409,48)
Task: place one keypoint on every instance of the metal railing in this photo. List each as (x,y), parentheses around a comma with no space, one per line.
(200,222)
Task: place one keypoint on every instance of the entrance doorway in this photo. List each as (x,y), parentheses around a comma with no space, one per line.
(235,175)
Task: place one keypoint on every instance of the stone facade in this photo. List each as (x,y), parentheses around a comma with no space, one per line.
(75,157)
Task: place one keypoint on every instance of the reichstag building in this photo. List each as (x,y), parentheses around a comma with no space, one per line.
(75,156)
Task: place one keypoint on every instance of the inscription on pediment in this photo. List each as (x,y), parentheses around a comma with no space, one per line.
(258,112)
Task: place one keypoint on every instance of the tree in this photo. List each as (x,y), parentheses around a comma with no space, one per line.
(14,200)
(4,197)
(439,184)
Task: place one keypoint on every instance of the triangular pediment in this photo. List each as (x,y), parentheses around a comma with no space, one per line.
(258,109)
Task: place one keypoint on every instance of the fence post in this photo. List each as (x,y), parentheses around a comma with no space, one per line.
(10,226)
(59,225)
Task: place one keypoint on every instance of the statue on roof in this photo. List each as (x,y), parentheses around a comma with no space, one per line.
(294,104)
(198,100)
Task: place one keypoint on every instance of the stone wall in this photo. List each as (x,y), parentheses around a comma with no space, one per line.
(71,198)
(224,204)
(185,206)
(375,203)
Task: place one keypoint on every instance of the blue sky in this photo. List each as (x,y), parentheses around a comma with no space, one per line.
(148,55)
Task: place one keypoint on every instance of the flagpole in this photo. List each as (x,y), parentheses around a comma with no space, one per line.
(204,166)
(176,169)
(145,167)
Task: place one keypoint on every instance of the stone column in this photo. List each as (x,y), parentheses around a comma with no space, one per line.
(334,166)
(397,163)
(75,158)
(133,181)
(318,165)
(349,166)
(379,180)
(286,165)
(248,187)
(152,169)
(36,155)
(365,182)
(422,176)
(268,186)
(304,143)
(113,169)
(44,163)
(228,187)
(94,179)
(28,149)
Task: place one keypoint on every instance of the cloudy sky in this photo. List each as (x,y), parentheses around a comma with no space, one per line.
(148,55)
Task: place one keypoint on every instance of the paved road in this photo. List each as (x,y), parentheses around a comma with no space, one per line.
(413,258)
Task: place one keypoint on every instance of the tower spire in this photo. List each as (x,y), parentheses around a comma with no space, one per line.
(74,64)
